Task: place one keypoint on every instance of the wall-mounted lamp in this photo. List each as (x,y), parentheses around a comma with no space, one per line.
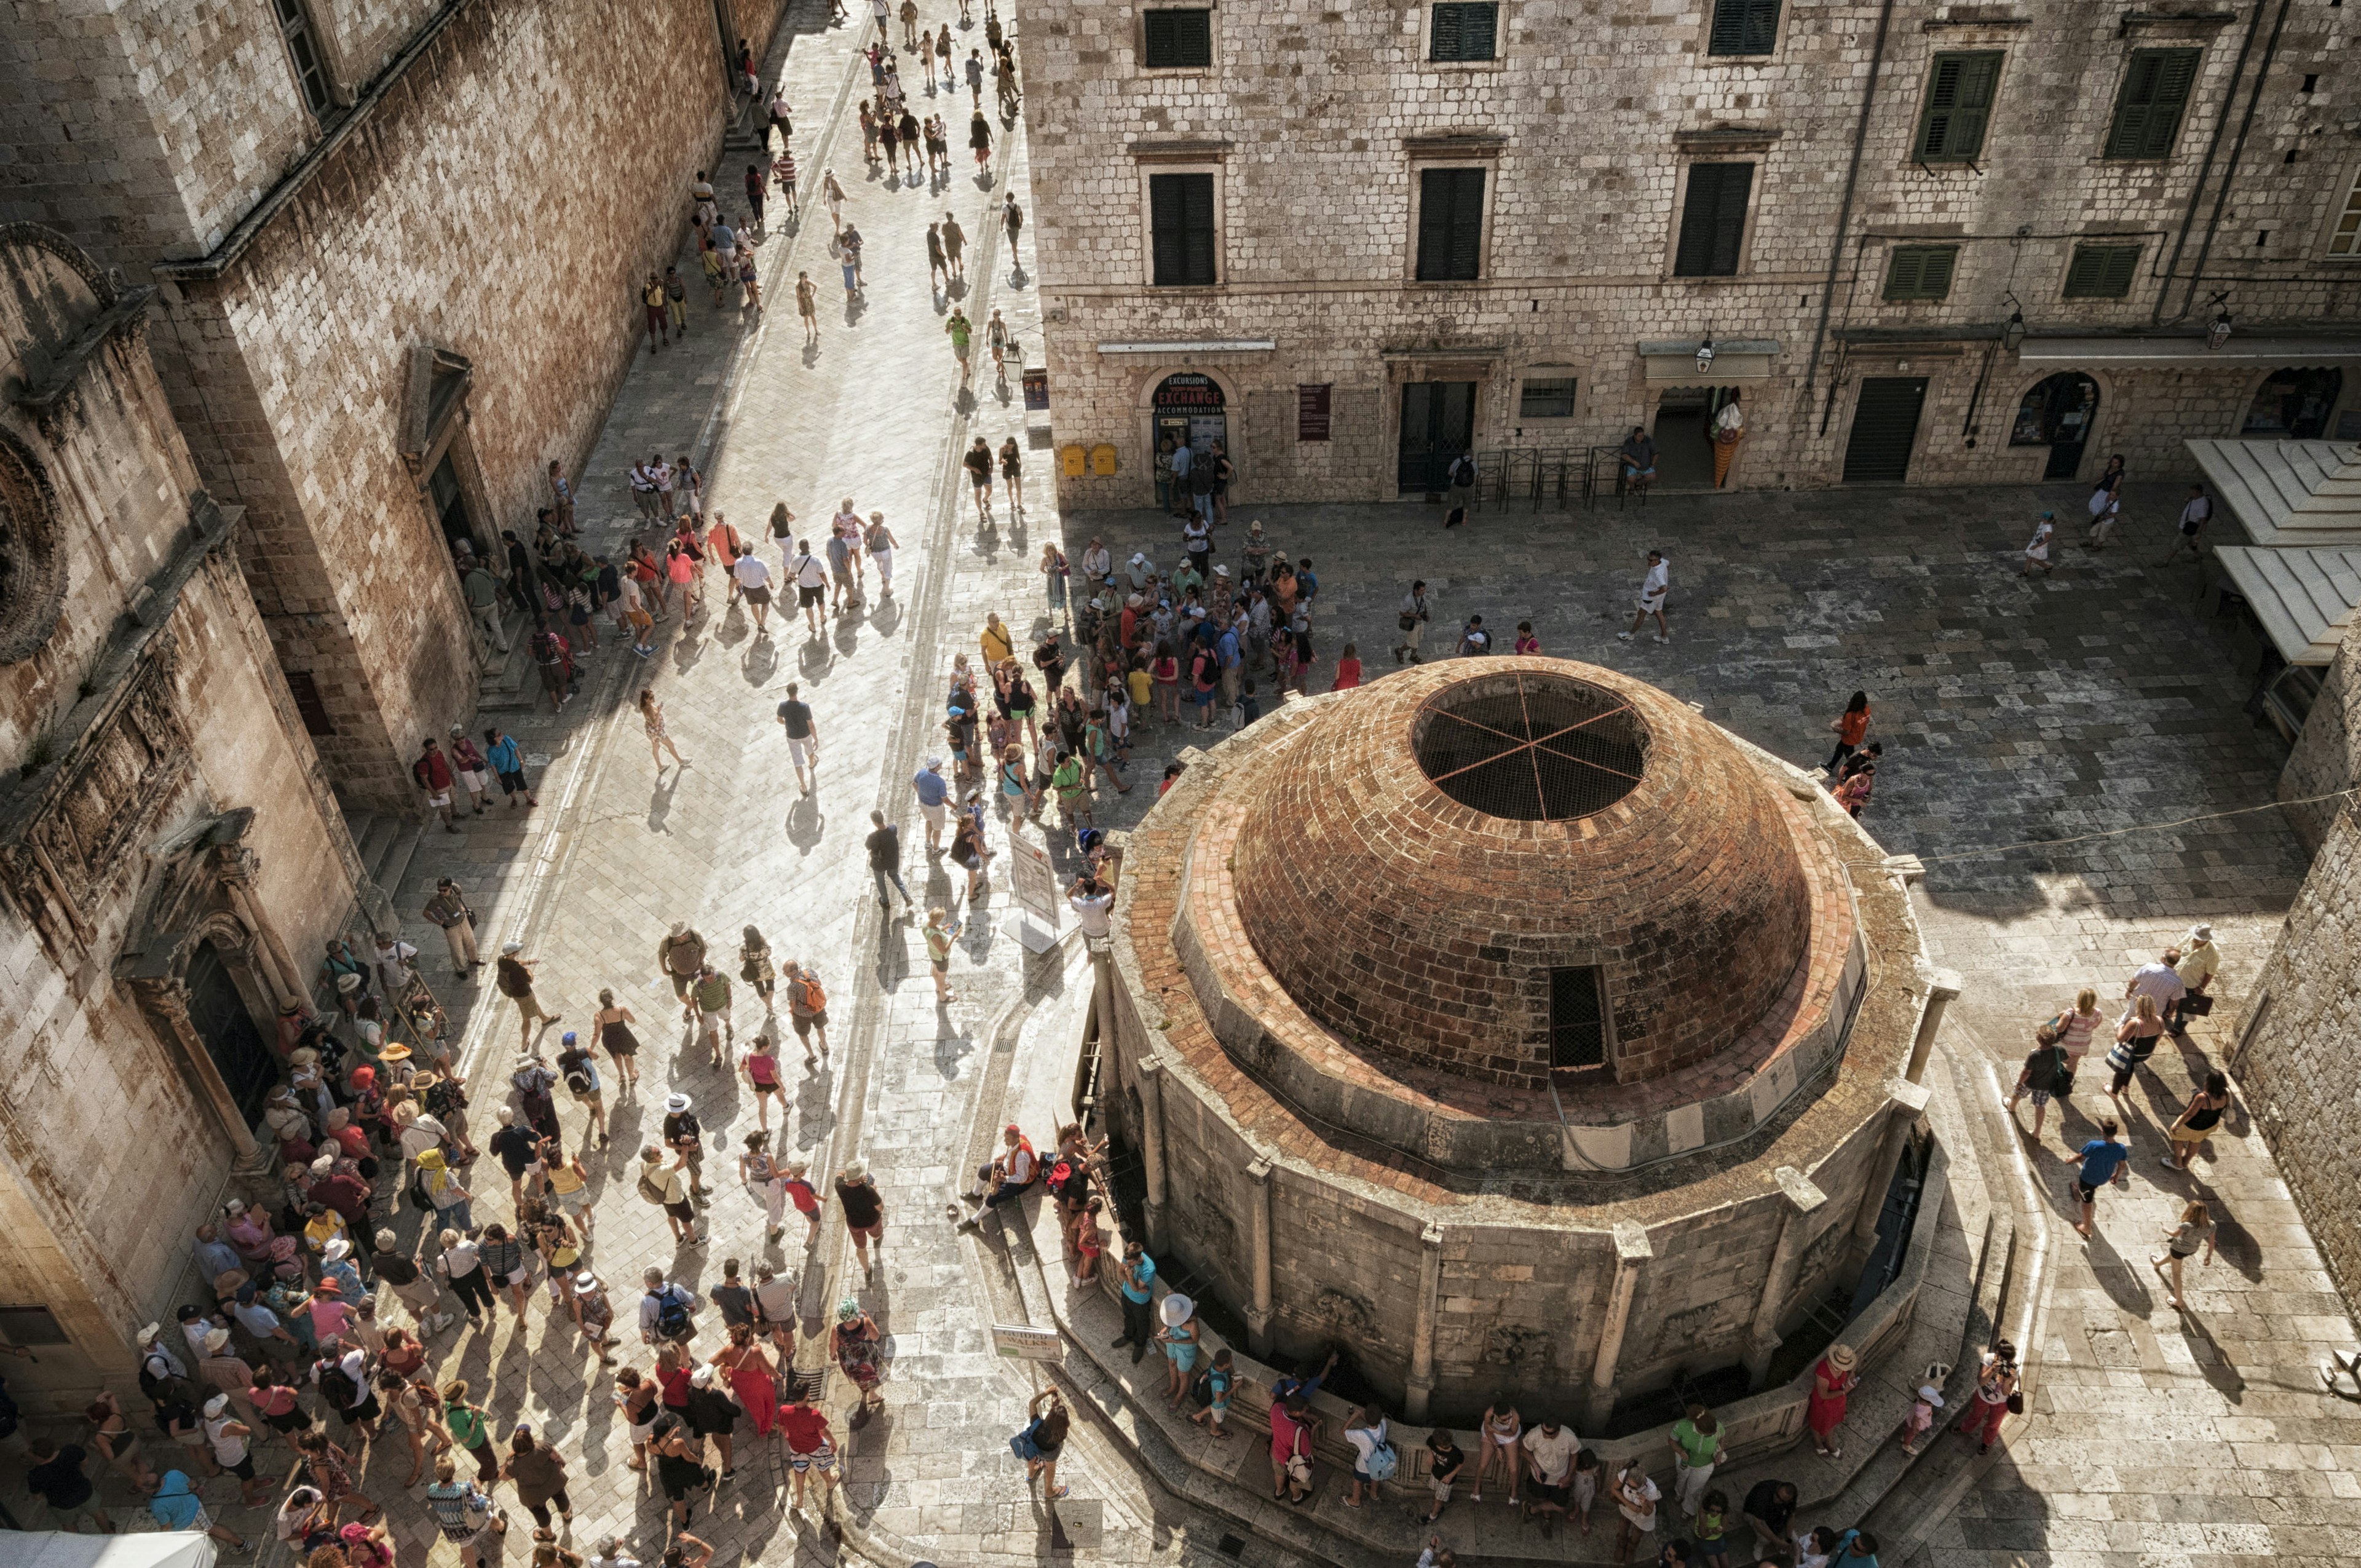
(2011,332)
(1705,352)
(2217,332)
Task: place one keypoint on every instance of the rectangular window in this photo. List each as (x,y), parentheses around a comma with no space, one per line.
(1959,102)
(1743,26)
(1577,1021)
(1546,398)
(31,1326)
(1465,32)
(308,706)
(304,52)
(2102,272)
(1920,272)
(1450,224)
(1713,220)
(2147,110)
(1311,413)
(1178,40)
(2346,239)
(1180,216)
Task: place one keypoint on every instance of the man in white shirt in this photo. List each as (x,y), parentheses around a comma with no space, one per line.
(1549,1460)
(1653,588)
(1005,1179)
(754,582)
(811,584)
(1091,902)
(2193,519)
(2161,979)
(614,1552)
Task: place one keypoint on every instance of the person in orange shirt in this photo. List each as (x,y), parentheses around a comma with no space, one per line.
(1852,728)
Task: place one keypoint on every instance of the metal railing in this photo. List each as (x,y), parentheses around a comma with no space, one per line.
(1548,477)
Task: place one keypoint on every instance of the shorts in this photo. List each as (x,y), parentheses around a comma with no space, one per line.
(513,782)
(683,1211)
(823,1460)
(2087,1192)
(803,752)
(808,595)
(938,816)
(961,349)
(440,798)
(2039,1097)
(803,1022)
(1441,1490)
(758,595)
(477,782)
(873,1234)
(243,1469)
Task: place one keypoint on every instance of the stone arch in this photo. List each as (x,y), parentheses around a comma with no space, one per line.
(1234,409)
(32,564)
(2104,406)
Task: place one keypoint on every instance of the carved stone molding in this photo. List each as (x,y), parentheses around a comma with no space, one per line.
(32,564)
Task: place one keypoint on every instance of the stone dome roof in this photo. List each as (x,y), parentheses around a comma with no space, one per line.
(1499,869)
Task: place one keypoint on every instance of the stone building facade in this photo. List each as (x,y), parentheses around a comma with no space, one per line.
(1460,1074)
(169,840)
(1928,240)
(396,243)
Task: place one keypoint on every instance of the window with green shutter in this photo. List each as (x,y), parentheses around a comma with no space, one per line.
(1450,224)
(1713,220)
(1920,272)
(1180,223)
(2102,272)
(1465,31)
(1178,40)
(2147,110)
(1743,26)
(1958,103)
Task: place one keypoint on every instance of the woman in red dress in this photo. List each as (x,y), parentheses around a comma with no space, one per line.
(1832,1382)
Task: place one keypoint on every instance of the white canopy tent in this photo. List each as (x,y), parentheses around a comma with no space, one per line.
(148,1549)
(2287,492)
(2304,599)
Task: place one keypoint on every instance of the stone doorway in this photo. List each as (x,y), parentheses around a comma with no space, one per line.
(2061,413)
(219,1015)
(1684,436)
(1438,424)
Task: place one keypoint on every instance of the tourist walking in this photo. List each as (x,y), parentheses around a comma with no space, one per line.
(2197,1120)
(795,717)
(2200,961)
(2195,1232)
(2189,533)
(1851,728)
(513,979)
(660,741)
(1047,1424)
(2045,1074)
(2037,549)
(614,1024)
(2103,1160)
(1833,1380)
(1654,589)
(1996,1398)
(856,1344)
(864,1213)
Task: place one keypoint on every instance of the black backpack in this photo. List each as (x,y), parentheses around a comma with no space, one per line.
(671,1314)
(577,1067)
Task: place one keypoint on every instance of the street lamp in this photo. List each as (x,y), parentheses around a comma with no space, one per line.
(1704,355)
(2011,333)
(2219,333)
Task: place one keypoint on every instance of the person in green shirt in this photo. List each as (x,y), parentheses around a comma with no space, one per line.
(470,1427)
(1186,579)
(961,333)
(710,992)
(1697,1445)
(483,594)
(1072,798)
(1712,1527)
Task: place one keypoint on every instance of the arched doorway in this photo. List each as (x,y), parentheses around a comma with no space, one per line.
(218,1013)
(1192,411)
(2059,413)
(2295,404)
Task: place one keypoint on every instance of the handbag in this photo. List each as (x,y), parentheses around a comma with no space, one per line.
(1023,1445)
(2197,1005)
(2016,1404)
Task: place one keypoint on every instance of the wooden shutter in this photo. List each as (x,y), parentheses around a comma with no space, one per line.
(1178,40)
(1959,106)
(1465,31)
(1713,220)
(1920,272)
(2102,272)
(2147,110)
(1450,224)
(1743,26)
(1180,224)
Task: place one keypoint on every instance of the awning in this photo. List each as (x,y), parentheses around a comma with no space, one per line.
(2287,492)
(2087,353)
(142,1549)
(1734,359)
(2304,598)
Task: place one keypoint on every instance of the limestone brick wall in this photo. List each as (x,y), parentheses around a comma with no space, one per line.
(1315,124)
(2322,761)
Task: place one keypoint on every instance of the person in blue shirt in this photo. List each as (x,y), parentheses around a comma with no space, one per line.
(934,799)
(2103,1160)
(500,752)
(176,1506)
(1855,1549)
(1249,705)
(1139,1289)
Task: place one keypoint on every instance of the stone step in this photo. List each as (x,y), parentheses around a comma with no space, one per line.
(373,837)
(389,872)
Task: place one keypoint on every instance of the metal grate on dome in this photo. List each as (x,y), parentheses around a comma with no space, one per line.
(1532,747)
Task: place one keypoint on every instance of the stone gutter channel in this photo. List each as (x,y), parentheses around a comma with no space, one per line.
(1975,1260)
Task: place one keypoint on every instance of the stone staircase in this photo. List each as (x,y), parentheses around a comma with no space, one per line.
(385,844)
(508,684)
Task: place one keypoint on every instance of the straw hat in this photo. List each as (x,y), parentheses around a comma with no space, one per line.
(395,1052)
(1842,1358)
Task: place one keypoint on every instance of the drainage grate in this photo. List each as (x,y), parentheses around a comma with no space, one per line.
(1532,748)
(1230,1545)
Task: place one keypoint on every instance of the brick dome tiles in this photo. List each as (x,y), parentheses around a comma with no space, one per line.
(1424,931)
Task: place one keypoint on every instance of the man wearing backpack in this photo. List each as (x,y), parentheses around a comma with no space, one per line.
(513,977)
(532,1081)
(807,1006)
(667,1312)
(2047,1070)
(711,994)
(580,1071)
(432,772)
(663,1186)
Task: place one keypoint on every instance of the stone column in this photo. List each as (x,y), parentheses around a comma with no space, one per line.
(1763,1340)
(1258,1228)
(1632,1251)
(273,961)
(1152,1148)
(1942,985)
(1421,1346)
(1905,1103)
(165,1004)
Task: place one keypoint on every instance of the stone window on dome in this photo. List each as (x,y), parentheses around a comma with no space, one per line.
(1532,748)
(1577,1015)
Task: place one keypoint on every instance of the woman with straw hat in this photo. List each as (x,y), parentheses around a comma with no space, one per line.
(855,1343)
(1833,1378)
